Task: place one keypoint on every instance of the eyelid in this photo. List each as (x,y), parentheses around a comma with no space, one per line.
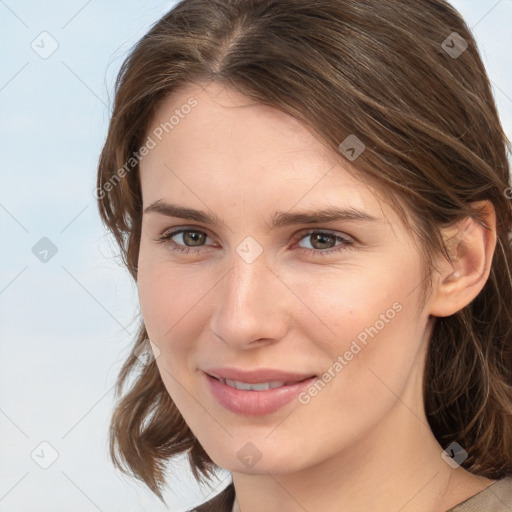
(177,229)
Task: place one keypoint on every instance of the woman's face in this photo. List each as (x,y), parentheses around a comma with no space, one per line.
(252,281)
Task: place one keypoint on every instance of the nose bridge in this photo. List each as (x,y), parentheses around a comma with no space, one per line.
(247,279)
(249,307)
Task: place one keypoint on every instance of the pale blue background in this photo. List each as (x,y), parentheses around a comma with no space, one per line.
(65,324)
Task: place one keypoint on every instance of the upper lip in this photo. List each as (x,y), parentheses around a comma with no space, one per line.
(257,376)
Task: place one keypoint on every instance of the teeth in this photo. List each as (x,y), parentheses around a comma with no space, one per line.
(262,386)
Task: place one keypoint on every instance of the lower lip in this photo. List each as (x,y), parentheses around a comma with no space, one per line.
(255,403)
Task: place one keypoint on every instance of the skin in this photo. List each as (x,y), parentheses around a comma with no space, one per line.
(363,442)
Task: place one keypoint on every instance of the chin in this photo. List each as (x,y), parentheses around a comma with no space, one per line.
(256,458)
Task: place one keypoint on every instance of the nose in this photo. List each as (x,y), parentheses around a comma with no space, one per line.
(253,306)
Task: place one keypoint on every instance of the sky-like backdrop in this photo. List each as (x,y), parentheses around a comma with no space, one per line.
(68,310)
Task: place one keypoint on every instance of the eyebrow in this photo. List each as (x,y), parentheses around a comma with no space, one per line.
(279,219)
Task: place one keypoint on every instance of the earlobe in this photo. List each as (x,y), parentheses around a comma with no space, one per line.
(471,247)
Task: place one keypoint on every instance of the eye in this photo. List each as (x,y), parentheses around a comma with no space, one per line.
(193,241)
(324,242)
(186,241)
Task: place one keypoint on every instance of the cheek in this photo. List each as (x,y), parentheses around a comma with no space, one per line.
(340,303)
(172,301)
(365,326)
(368,365)
(170,305)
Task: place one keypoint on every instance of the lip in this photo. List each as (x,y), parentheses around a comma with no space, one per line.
(255,403)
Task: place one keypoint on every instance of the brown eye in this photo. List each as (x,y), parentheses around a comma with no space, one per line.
(323,242)
(184,240)
(193,238)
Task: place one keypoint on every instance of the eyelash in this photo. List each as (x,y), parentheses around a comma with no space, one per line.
(166,239)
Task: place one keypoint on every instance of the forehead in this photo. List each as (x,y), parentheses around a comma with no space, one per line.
(216,147)
(230,126)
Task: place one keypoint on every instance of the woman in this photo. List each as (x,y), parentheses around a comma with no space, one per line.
(312,199)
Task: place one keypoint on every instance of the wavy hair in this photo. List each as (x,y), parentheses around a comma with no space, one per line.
(417,95)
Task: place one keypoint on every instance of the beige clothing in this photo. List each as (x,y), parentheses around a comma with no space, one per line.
(495,498)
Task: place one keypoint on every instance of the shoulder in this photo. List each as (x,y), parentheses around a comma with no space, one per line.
(497,497)
(222,502)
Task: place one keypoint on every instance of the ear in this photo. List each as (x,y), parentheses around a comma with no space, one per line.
(471,247)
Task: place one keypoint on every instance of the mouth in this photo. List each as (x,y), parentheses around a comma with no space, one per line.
(256,393)
(260,386)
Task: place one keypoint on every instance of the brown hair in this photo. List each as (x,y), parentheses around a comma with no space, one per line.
(394,75)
